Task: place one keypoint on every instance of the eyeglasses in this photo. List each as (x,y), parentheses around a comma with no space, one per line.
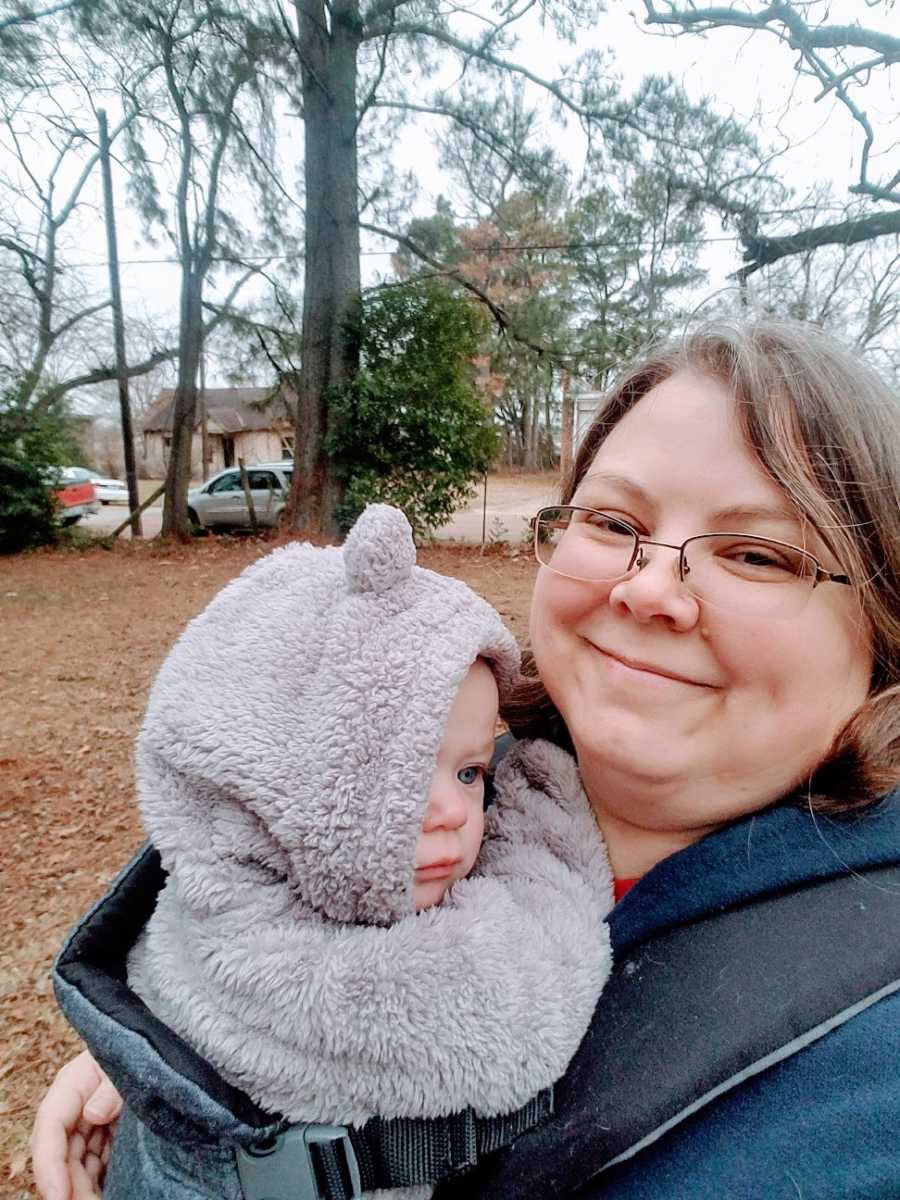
(749,574)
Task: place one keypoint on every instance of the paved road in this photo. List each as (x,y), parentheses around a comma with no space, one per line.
(111,515)
(511,501)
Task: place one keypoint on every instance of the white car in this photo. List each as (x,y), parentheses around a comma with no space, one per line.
(110,491)
(220,502)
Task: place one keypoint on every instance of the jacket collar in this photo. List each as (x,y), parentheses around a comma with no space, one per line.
(778,849)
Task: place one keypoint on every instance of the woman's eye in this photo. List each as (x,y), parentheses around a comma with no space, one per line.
(603,523)
(759,558)
(762,559)
(470,775)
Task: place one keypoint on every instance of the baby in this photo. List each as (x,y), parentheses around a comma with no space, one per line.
(453,827)
(334,937)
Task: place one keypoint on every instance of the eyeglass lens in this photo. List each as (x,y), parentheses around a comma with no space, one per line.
(729,570)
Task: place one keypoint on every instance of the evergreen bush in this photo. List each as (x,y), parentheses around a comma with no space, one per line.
(30,446)
(412,429)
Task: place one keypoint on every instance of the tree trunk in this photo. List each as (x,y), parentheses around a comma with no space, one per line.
(175,521)
(567,425)
(331,289)
(532,426)
(547,462)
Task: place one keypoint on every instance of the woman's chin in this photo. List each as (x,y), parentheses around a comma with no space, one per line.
(631,745)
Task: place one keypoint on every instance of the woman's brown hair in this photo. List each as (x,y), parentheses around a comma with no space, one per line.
(826,429)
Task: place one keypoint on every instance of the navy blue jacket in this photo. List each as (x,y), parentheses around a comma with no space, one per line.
(823,1124)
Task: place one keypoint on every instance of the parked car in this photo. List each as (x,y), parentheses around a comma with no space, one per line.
(75,495)
(110,491)
(220,502)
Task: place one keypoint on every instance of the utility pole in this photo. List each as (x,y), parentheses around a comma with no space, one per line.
(204,417)
(115,293)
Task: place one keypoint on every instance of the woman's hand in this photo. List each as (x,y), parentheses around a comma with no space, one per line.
(73,1131)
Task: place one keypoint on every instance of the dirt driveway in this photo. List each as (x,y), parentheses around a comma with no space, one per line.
(505,511)
(81,636)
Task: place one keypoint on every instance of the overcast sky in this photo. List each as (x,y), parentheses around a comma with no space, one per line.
(750,76)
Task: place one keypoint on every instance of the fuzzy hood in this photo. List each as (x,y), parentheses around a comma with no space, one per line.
(479,1002)
(292,731)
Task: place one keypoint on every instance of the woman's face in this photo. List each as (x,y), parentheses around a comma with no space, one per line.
(685,716)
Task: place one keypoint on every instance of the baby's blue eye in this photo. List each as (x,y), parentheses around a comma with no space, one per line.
(469,775)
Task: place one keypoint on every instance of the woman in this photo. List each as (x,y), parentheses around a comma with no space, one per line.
(734,705)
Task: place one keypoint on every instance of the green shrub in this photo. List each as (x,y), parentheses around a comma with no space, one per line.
(27,511)
(412,429)
(29,446)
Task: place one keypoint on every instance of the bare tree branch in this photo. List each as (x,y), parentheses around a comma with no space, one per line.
(376,82)
(380,9)
(100,374)
(489,138)
(500,315)
(760,251)
(103,372)
(79,316)
(30,17)
(477,51)
(784,20)
(800,34)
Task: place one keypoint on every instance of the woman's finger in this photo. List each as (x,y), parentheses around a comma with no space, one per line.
(57,1117)
(83,1186)
(95,1142)
(105,1104)
(94,1169)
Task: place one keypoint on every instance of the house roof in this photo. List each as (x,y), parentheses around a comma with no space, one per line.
(228,410)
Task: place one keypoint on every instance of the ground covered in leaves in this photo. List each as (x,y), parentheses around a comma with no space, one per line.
(81,636)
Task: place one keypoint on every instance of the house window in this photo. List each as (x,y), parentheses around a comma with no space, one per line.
(287,445)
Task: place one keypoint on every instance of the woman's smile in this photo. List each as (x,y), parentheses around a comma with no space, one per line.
(622,666)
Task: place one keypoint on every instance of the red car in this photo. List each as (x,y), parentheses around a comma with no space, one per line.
(74,492)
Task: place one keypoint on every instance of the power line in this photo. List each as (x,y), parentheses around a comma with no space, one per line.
(494,249)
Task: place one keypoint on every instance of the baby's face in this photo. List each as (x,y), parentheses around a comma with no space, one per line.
(454,819)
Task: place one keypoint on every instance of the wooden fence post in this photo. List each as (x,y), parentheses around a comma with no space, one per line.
(245,484)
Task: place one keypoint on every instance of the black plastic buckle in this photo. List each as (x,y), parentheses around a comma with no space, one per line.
(282,1167)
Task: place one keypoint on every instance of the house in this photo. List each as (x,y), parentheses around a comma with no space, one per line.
(586,405)
(253,423)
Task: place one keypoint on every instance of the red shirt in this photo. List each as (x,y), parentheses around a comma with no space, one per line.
(622,886)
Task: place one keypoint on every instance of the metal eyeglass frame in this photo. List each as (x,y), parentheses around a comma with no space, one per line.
(684,568)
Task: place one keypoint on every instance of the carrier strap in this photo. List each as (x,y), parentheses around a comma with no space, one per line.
(692,1013)
(334,1162)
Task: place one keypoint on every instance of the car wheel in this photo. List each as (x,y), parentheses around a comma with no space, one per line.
(67,521)
(197,530)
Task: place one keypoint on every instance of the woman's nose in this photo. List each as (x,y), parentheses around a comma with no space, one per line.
(446,808)
(654,590)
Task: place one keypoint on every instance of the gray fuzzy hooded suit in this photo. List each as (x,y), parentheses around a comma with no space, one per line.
(283,773)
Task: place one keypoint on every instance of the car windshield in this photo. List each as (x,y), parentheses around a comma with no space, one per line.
(75,475)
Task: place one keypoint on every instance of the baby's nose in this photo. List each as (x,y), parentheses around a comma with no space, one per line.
(446,809)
